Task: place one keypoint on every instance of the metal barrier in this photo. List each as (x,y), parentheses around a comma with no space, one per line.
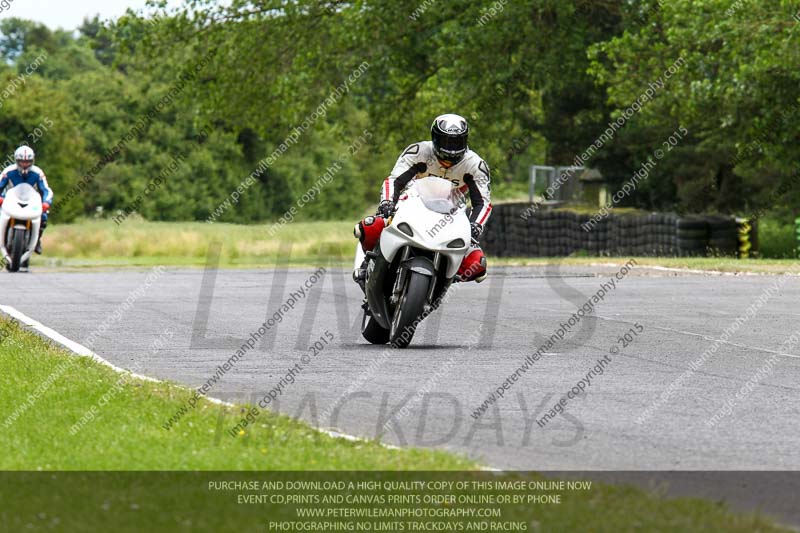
(744,231)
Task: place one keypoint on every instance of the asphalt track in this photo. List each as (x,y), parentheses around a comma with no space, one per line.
(187,322)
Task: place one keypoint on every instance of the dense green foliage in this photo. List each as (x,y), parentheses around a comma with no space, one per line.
(540,80)
(776,239)
(737,93)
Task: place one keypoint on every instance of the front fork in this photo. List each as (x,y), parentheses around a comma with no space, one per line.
(6,225)
(402,274)
(400,281)
(437,259)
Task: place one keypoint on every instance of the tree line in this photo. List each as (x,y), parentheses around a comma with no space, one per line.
(541,81)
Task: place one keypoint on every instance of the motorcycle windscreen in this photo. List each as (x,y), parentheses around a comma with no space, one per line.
(439,195)
(24,193)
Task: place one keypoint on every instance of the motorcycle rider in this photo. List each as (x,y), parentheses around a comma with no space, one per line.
(446,156)
(24,171)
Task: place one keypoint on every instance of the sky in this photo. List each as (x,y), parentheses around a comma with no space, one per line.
(69,14)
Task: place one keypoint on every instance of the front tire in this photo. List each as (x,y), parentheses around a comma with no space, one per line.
(372,331)
(17,248)
(409,310)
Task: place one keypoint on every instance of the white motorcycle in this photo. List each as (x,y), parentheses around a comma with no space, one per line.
(20,219)
(415,261)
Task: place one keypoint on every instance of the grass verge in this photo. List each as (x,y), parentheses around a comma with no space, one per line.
(142,243)
(46,391)
(719,264)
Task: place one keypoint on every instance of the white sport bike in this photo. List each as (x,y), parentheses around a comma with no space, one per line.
(415,261)
(20,219)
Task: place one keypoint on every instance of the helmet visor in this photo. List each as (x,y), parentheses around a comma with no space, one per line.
(24,164)
(452,143)
(449,148)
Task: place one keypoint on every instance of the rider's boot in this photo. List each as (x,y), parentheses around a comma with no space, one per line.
(360,275)
(360,262)
(38,248)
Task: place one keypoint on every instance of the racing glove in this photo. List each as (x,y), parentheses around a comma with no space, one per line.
(45,207)
(477,230)
(386,208)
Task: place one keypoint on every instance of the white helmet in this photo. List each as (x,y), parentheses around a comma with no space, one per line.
(24,156)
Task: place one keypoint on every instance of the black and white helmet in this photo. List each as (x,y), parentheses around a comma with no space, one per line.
(449,135)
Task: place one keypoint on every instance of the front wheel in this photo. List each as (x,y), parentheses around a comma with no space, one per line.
(409,311)
(18,247)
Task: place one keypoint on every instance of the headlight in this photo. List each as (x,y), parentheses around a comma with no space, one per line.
(458,243)
(405,228)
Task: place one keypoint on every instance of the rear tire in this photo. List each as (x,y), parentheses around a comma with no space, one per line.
(17,248)
(409,309)
(372,331)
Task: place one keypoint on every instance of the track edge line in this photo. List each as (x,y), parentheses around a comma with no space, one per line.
(82,351)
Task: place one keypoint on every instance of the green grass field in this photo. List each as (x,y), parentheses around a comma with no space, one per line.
(126,431)
(141,243)
(47,391)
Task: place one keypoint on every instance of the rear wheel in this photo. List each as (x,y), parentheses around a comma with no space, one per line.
(408,313)
(17,248)
(372,331)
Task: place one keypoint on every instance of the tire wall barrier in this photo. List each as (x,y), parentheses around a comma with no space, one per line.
(514,231)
